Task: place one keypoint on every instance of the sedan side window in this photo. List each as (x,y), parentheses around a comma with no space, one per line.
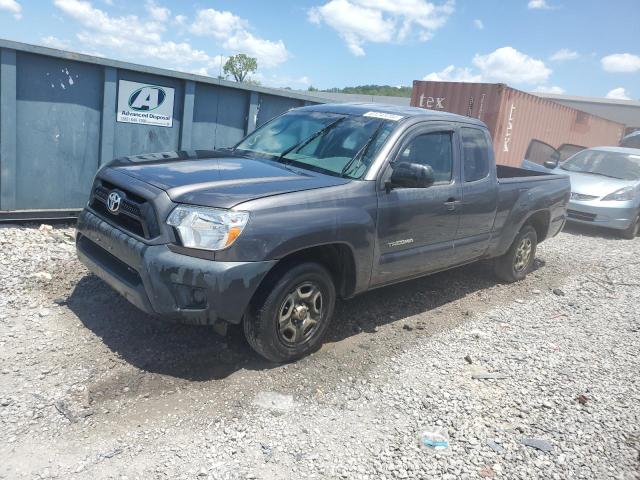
(433,149)
(476,150)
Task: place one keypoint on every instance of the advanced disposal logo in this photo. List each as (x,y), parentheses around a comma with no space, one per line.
(145,104)
(147,98)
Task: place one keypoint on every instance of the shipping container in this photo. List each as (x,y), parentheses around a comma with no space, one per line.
(522,125)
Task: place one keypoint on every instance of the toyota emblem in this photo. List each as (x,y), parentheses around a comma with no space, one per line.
(113,202)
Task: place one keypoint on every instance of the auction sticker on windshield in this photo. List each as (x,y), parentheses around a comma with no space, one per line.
(145,104)
(385,116)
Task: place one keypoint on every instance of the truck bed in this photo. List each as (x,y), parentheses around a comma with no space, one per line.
(508,174)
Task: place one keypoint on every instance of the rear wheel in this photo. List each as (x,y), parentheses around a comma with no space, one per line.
(290,319)
(631,232)
(518,261)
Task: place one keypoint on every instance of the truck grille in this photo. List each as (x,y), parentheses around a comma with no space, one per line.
(585,217)
(135,214)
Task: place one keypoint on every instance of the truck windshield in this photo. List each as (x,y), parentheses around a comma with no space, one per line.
(341,145)
(623,166)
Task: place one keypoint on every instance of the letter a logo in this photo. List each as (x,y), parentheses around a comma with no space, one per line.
(147,98)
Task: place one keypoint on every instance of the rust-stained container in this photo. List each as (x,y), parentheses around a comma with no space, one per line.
(518,120)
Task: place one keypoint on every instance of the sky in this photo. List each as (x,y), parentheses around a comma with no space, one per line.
(575,47)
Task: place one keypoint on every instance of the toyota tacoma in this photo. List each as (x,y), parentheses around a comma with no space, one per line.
(322,202)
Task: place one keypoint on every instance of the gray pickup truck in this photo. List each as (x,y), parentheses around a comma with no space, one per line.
(322,202)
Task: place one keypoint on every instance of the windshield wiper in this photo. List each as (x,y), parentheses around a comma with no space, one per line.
(361,153)
(308,140)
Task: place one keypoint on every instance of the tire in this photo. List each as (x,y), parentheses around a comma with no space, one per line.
(512,267)
(631,232)
(290,315)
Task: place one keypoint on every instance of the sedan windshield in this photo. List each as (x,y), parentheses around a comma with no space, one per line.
(342,145)
(623,166)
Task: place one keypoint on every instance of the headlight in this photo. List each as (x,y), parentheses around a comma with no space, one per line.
(207,228)
(625,193)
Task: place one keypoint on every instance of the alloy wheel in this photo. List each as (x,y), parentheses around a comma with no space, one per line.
(300,313)
(523,254)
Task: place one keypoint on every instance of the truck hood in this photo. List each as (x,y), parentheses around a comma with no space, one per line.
(588,184)
(219,178)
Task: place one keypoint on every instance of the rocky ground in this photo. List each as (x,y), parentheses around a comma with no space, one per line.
(539,379)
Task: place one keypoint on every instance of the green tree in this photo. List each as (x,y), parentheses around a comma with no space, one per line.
(240,66)
(387,90)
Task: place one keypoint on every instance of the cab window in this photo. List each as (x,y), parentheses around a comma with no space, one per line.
(475,150)
(433,149)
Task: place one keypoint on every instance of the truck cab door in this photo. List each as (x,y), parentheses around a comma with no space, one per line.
(416,226)
(479,195)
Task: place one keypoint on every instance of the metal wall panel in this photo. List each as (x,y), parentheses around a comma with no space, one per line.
(58,120)
(8,138)
(219,116)
(58,131)
(272,106)
(132,139)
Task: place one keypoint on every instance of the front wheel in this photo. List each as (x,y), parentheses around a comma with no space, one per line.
(290,319)
(518,261)
(632,231)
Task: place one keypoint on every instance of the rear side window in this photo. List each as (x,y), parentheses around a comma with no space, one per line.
(475,149)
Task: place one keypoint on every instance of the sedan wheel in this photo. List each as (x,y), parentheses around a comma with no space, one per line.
(632,232)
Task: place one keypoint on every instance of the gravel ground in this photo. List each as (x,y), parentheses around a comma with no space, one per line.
(538,379)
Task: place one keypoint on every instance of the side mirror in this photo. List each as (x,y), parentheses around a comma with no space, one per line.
(550,164)
(411,175)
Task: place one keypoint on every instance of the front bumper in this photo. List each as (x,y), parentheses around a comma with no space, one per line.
(598,213)
(164,283)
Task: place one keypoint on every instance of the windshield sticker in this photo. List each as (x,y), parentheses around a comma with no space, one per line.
(385,116)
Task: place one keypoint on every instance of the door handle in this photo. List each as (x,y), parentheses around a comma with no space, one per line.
(451,203)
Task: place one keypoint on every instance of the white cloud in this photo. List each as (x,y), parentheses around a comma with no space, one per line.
(508,65)
(381,21)
(618,94)
(564,54)
(268,53)
(55,42)
(281,81)
(235,36)
(201,71)
(355,24)
(478,24)
(156,12)
(453,74)
(549,89)
(621,63)
(218,24)
(505,65)
(108,30)
(538,5)
(13,7)
(143,39)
